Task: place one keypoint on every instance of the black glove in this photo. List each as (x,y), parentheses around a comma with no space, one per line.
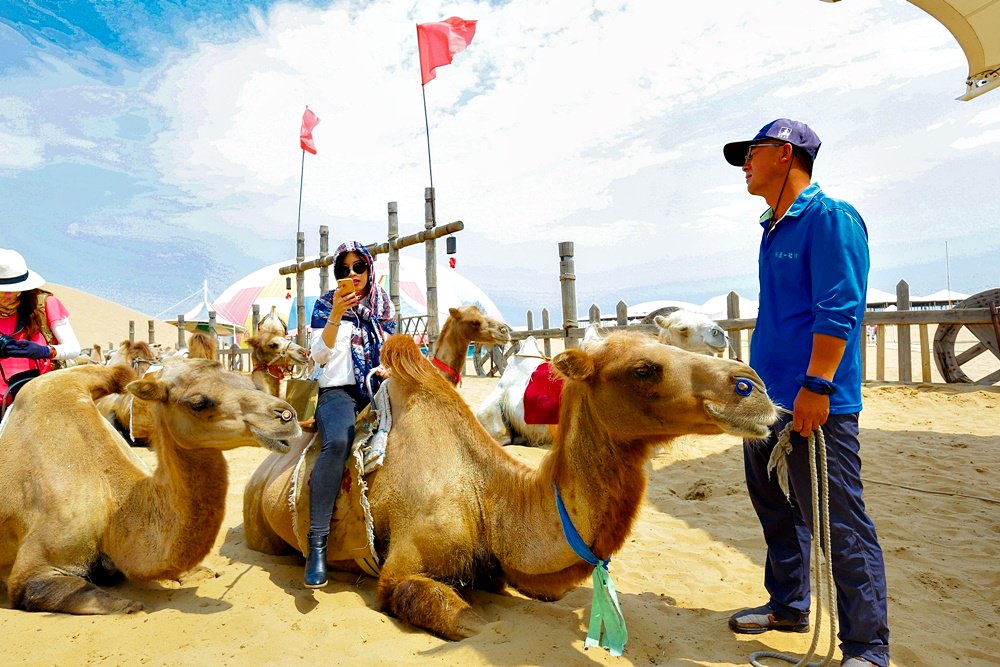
(5,340)
(25,349)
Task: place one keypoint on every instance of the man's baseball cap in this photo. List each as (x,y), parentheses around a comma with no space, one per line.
(793,132)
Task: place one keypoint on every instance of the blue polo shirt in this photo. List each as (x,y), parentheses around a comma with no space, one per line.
(813,269)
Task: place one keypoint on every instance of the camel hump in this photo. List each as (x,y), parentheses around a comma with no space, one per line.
(401,355)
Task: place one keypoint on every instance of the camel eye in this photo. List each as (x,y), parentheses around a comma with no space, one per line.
(200,403)
(645,370)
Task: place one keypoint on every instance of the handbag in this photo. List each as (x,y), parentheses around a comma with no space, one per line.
(302,395)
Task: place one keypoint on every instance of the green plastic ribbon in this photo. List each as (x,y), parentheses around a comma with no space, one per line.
(607,624)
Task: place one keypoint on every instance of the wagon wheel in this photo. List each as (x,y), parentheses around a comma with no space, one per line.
(949,364)
(491,360)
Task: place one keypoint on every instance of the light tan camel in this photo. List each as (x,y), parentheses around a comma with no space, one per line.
(465,325)
(451,507)
(76,505)
(129,419)
(273,357)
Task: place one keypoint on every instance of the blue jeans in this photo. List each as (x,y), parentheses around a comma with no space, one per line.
(858,566)
(336,411)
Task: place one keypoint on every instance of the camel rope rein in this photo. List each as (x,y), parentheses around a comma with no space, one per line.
(822,566)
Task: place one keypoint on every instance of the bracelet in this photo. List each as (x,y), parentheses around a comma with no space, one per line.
(816,385)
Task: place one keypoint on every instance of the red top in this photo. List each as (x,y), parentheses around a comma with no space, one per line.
(55,311)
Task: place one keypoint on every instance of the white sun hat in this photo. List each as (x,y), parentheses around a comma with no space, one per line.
(15,276)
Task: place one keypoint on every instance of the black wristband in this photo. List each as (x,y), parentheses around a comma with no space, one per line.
(816,385)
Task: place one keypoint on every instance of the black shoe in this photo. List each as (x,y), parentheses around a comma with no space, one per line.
(315,575)
(762,619)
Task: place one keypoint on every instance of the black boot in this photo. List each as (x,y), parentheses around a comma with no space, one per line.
(315,576)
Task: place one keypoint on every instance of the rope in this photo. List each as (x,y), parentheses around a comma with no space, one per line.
(822,581)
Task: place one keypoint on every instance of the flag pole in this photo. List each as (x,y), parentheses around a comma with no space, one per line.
(302,173)
(427,133)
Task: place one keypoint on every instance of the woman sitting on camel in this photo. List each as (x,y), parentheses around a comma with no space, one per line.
(353,321)
(34,326)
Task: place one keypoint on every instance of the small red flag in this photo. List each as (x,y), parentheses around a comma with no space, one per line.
(309,121)
(438,43)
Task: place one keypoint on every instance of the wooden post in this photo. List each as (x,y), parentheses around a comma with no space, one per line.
(180,333)
(864,354)
(394,260)
(621,314)
(547,343)
(255,319)
(925,354)
(595,315)
(430,248)
(735,337)
(131,331)
(212,329)
(567,281)
(324,251)
(903,333)
(880,353)
(300,290)
(531,320)
(152,331)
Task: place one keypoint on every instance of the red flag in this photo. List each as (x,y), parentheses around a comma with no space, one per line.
(439,42)
(309,121)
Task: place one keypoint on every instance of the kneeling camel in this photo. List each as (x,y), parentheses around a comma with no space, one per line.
(452,508)
(77,506)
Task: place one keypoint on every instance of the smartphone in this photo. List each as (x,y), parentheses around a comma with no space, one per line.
(345,284)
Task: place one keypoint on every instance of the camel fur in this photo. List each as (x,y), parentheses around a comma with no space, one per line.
(77,506)
(451,508)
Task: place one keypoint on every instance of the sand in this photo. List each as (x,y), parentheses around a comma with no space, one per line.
(931,455)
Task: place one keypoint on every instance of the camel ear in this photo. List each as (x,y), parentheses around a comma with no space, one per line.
(455,312)
(574,364)
(148,390)
(661,322)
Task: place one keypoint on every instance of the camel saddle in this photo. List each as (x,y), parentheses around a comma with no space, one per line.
(352,531)
(542,396)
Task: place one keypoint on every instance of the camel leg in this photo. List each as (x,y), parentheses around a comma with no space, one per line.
(48,588)
(421,601)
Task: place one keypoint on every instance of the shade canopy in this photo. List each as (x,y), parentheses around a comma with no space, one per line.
(266,288)
(975,25)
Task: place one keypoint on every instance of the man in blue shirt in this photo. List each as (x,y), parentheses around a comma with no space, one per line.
(813,269)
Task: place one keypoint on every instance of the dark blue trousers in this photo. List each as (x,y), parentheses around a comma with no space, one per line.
(858,566)
(336,411)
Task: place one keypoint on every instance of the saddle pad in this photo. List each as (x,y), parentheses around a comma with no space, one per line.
(542,396)
(352,531)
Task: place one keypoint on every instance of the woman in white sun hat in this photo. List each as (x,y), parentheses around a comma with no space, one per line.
(34,326)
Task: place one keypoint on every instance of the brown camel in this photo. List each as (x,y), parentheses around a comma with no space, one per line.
(273,356)
(465,325)
(77,506)
(451,507)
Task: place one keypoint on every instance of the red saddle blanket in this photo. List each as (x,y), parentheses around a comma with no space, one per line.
(542,396)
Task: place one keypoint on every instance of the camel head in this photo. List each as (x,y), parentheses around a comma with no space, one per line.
(137,354)
(473,325)
(202,405)
(639,389)
(273,322)
(692,331)
(268,348)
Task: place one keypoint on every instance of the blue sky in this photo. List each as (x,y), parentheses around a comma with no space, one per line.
(148,146)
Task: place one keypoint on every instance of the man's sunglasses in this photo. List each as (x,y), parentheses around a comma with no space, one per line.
(359,267)
(750,148)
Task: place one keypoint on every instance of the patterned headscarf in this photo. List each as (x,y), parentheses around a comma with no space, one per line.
(371,320)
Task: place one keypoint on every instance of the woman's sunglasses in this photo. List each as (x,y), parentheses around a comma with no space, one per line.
(359,267)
